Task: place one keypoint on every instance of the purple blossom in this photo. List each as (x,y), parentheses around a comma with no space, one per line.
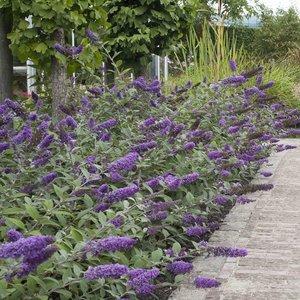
(259,80)
(78,50)
(224,251)
(115,177)
(91,35)
(32,116)
(91,123)
(225,173)
(70,122)
(158,216)
(13,235)
(124,164)
(189,146)
(161,205)
(139,280)
(266,174)
(233,129)
(4,146)
(179,267)
(267,86)
(105,271)
(143,147)
(34,96)
(105,125)
(46,179)
(233,65)
(189,178)
(46,141)
(196,230)
(104,188)
(293,131)
(28,189)
(222,122)
(234,80)
(117,221)
(101,207)
(172,182)
(121,194)
(59,48)
(110,244)
(243,200)
(214,155)
(204,283)
(221,200)
(23,135)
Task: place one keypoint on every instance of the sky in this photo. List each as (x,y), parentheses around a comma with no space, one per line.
(274,4)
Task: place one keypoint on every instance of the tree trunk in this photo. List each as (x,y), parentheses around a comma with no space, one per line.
(58,79)
(6,60)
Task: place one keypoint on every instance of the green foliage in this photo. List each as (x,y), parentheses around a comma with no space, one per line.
(279,34)
(37,42)
(143,27)
(206,55)
(64,208)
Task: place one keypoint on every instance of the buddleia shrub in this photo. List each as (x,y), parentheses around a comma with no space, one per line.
(112,201)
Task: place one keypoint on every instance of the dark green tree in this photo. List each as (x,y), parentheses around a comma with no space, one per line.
(142,27)
(279,34)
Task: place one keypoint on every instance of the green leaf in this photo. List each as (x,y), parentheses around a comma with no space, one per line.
(32,212)
(157,255)
(58,191)
(176,248)
(16,222)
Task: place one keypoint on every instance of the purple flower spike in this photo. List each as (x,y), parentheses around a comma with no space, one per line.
(233,65)
(13,235)
(196,230)
(91,35)
(179,267)
(234,80)
(105,271)
(214,155)
(46,179)
(204,283)
(266,174)
(4,146)
(121,194)
(220,200)
(189,146)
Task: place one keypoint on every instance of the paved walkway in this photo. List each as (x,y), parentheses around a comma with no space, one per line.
(270,230)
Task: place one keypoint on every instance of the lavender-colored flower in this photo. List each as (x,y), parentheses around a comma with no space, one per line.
(26,247)
(143,147)
(196,230)
(266,173)
(293,131)
(91,123)
(189,146)
(115,177)
(204,283)
(78,50)
(225,173)
(101,207)
(46,179)
(228,251)
(214,155)
(4,146)
(266,187)
(221,200)
(267,86)
(91,35)
(70,122)
(160,206)
(158,216)
(32,116)
(110,244)
(139,280)
(233,129)
(23,135)
(125,164)
(105,125)
(234,80)
(117,221)
(243,200)
(120,95)
(104,188)
(189,178)
(172,182)
(59,48)
(46,141)
(121,194)
(13,235)
(179,267)
(259,80)
(28,189)
(222,122)
(105,271)
(34,96)
(233,65)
